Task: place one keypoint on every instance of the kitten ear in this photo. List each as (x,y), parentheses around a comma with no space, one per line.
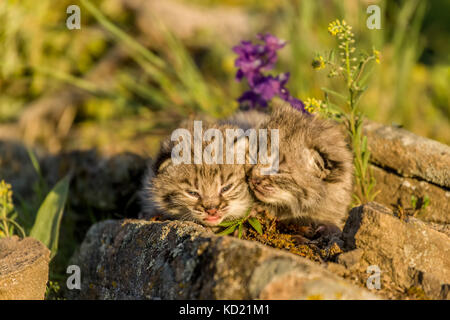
(324,166)
(166,163)
(163,161)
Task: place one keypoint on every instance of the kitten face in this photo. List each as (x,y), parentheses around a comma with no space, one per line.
(294,188)
(314,179)
(206,194)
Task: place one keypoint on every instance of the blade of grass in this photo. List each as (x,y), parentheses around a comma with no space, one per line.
(255,224)
(122,36)
(228,230)
(241,228)
(48,218)
(188,73)
(70,79)
(337,94)
(228,223)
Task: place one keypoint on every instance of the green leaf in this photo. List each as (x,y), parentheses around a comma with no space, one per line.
(241,227)
(426,202)
(228,230)
(364,143)
(48,219)
(13,224)
(413,202)
(229,223)
(374,195)
(247,213)
(34,161)
(331,56)
(129,42)
(255,224)
(335,108)
(337,94)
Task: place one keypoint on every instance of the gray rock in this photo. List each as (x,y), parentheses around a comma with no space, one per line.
(409,253)
(351,258)
(23,269)
(136,259)
(408,154)
(395,188)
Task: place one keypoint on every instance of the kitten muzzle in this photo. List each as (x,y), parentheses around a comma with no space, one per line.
(213,215)
(260,186)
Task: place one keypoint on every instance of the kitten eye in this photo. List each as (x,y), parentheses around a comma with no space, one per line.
(193,193)
(226,188)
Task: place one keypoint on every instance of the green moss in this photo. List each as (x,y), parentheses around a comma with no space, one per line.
(285,237)
(417,293)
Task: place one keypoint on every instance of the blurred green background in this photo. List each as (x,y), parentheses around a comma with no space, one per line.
(136,68)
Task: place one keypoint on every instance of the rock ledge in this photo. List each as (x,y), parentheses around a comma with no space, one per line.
(135,259)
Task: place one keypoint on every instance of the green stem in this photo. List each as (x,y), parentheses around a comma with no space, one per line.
(5,220)
(347,63)
(362,68)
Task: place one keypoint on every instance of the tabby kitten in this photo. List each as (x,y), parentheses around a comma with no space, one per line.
(313,185)
(204,193)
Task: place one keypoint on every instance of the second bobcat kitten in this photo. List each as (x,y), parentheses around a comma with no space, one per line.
(314,182)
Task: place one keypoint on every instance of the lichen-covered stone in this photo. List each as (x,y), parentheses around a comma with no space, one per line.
(408,154)
(23,269)
(351,258)
(135,259)
(409,253)
(394,189)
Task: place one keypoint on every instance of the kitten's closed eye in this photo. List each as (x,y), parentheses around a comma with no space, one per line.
(226,188)
(284,171)
(193,193)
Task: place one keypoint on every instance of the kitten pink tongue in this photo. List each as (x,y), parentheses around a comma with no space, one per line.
(212,218)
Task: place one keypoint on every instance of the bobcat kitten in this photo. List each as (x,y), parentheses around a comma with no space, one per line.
(205,193)
(314,181)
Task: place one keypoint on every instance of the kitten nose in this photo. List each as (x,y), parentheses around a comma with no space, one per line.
(211,211)
(256,181)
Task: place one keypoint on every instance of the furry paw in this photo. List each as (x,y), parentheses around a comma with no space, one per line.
(299,240)
(326,230)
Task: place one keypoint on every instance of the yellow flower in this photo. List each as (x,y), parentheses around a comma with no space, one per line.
(313,105)
(335,27)
(318,63)
(377,55)
(5,191)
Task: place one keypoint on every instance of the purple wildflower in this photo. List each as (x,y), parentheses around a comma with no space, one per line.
(251,100)
(252,60)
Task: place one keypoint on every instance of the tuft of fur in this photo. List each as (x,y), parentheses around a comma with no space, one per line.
(314,181)
(191,191)
(247,119)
